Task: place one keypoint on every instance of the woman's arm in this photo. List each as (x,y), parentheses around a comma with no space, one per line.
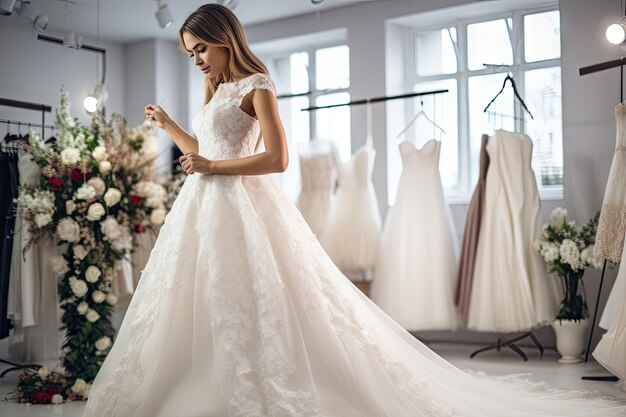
(185,142)
(274,159)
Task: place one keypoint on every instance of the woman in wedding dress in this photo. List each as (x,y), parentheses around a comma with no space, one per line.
(240,312)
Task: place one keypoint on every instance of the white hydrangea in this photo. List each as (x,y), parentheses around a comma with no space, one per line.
(95,212)
(551,253)
(85,192)
(570,254)
(98,296)
(103,343)
(43,219)
(86,392)
(78,286)
(112,197)
(92,273)
(39,204)
(98,184)
(57,399)
(92,315)
(157,216)
(80,252)
(70,156)
(43,372)
(155,194)
(104,167)
(82,308)
(118,236)
(99,153)
(558,216)
(58,264)
(70,206)
(68,229)
(79,386)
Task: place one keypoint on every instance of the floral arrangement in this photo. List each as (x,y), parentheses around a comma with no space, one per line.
(95,194)
(45,387)
(568,250)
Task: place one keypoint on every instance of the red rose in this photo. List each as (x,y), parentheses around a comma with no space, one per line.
(135,200)
(55,181)
(139,229)
(76,175)
(51,391)
(43,398)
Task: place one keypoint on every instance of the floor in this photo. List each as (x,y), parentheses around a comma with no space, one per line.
(495,363)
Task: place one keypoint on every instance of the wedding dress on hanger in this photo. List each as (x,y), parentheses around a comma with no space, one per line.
(240,312)
(416,263)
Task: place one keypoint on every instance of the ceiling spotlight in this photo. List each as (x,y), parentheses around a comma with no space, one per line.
(96,100)
(72,40)
(6,7)
(40,23)
(231,4)
(164,15)
(28,10)
(616,33)
(316,2)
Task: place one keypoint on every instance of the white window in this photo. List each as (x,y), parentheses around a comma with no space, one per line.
(452,56)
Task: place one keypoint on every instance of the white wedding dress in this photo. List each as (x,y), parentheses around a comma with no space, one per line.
(240,312)
(416,267)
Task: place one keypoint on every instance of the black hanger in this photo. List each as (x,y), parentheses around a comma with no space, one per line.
(509,78)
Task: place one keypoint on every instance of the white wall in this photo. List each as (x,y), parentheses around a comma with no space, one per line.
(34,71)
(588,102)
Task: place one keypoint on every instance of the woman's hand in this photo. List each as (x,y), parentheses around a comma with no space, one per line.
(157,114)
(192,162)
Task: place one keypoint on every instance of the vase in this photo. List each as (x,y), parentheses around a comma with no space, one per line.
(570,339)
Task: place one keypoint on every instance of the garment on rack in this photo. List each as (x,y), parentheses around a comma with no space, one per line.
(318,178)
(352,230)
(463,287)
(611,350)
(416,264)
(25,281)
(8,191)
(613,303)
(511,290)
(612,223)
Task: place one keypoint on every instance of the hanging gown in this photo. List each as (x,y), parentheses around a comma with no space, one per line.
(352,230)
(318,177)
(416,263)
(511,290)
(611,350)
(467,261)
(241,313)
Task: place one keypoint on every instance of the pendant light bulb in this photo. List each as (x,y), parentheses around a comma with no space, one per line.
(616,33)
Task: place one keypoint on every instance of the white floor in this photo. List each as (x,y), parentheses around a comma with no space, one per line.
(495,363)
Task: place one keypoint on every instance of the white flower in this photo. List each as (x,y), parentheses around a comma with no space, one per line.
(112,299)
(79,386)
(551,253)
(92,273)
(570,254)
(95,212)
(70,206)
(85,192)
(98,296)
(43,372)
(538,246)
(112,197)
(57,399)
(103,343)
(92,315)
(70,156)
(99,153)
(82,308)
(43,219)
(118,236)
(58,264)
(86,391)
(157,216)
(68,230)
(155,194)
(558,216)
(79,252)
(98,184)
(104,167)
(79,287)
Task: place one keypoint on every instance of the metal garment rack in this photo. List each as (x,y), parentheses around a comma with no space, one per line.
(43,108)
(375,100)
(602,66)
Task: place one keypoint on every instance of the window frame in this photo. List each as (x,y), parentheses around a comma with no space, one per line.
(469,169)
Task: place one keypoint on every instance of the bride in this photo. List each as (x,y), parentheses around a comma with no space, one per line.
(240,312)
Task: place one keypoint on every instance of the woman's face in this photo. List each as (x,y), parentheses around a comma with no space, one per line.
(212,60)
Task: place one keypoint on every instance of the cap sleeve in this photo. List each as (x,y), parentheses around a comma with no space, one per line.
(254,82)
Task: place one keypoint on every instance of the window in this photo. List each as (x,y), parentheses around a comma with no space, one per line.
(525,45)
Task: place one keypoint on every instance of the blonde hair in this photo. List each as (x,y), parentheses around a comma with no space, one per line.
(218,26)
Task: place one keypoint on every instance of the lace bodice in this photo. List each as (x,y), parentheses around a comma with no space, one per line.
(223,129)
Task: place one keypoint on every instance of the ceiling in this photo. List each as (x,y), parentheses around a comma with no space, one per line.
(125,21)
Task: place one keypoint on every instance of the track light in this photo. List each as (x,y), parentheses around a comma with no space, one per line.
(6,7)
(96,100)
(164,15)
(616,33)
(72,40)
(28,10)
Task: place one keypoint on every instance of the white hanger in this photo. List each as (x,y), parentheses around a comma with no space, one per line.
(419,114)
(369,141)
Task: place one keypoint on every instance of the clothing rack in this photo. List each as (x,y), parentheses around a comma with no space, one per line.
(376,100)
(43,108)
(602,66)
